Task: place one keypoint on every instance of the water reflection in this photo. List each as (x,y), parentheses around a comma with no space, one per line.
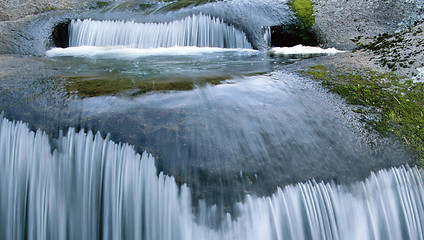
(127,72)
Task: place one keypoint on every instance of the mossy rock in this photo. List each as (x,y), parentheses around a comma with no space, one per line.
(91,86)
(304,12)
(397,101)
(299,31)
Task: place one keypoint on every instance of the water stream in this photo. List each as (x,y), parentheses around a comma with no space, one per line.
(88,187)
(181,130)
(197,30)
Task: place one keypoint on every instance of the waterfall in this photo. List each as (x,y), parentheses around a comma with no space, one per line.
(267,37)
(197,30)
(84,186)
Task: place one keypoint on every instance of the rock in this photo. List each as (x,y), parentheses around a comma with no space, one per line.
(27,25)
(338,22)
(15,9)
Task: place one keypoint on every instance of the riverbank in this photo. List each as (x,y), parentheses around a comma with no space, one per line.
(383,80)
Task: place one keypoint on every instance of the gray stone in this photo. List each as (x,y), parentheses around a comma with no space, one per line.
(340,21)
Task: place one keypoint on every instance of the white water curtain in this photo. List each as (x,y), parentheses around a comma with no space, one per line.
(197,30)
(92,188)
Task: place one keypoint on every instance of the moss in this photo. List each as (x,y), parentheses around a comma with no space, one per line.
(299,31)
(91,86)
(304,12)
(397,102)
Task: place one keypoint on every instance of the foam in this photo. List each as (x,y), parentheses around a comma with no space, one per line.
(303,50)
(132,53)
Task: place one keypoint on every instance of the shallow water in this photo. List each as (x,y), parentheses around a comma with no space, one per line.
(226,122)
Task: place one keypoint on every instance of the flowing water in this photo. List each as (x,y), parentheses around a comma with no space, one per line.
(92,188)
(197,30)
(242,146)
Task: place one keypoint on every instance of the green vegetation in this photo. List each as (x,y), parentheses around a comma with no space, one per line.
(299,31)
(90,86)
(304,11)
(397,102)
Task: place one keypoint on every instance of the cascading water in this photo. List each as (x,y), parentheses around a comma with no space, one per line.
(197,30)
(89,187)
(84,186)
(267,36)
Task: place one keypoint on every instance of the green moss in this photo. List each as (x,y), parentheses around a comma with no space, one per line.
(397,102)
(304,12)
(90,86)
(318,72)
(299,31)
